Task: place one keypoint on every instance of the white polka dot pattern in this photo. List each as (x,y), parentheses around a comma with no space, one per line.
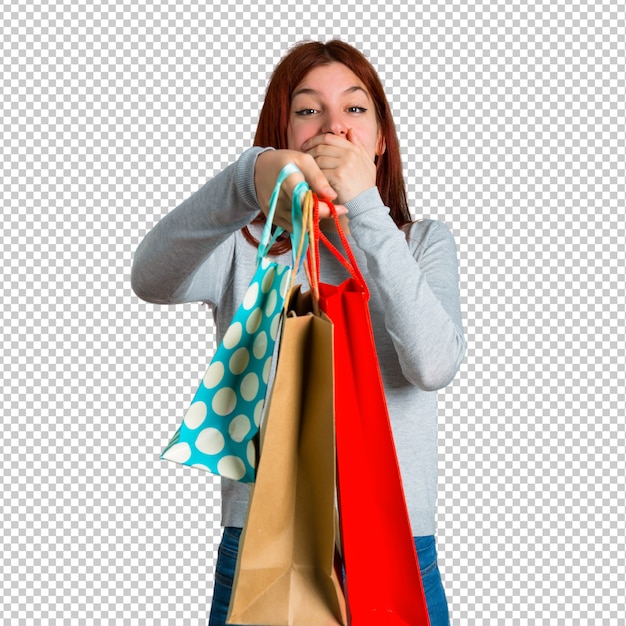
(218,431)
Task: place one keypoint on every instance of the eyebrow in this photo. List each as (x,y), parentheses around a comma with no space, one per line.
(312,92)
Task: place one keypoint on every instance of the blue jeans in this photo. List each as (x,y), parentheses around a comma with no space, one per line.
(426,554)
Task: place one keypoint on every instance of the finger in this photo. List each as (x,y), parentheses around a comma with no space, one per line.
(330,156)
(291,182)
(327,164)
(313,142)
(328,139)
(326,213)
(326,150)
(356,141)
(315,177)
(282,214)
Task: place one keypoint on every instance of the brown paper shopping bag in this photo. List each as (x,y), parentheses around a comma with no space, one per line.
(285,572)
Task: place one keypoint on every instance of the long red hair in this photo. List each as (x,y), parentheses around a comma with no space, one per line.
(274,117)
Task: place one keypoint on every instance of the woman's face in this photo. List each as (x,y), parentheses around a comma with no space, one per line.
(331,99)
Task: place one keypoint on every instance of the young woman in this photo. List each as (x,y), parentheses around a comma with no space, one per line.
(326,111)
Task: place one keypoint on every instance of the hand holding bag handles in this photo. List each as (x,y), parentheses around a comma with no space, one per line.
(219,430)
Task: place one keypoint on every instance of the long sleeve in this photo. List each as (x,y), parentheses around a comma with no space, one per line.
(166,263)
(415,271)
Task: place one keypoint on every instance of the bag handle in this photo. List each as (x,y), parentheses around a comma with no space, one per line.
(300,235)
(311,267)
(350,264)
(268,239)
(306,248)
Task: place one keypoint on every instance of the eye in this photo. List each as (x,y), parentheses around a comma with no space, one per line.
(306,112)
(356,109)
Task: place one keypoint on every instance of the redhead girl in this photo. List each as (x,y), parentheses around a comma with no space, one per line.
(326,111)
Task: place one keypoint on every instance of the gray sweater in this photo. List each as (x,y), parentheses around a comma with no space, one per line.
(198,253)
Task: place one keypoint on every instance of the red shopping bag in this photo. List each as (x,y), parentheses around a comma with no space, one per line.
(383,582)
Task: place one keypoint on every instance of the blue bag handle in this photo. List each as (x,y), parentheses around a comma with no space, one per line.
(299,229)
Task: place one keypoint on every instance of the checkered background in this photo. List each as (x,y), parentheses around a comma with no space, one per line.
(512,120)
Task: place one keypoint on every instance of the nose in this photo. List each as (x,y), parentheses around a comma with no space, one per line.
(334,125)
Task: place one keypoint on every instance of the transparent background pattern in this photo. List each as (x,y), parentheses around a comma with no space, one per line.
(512,121)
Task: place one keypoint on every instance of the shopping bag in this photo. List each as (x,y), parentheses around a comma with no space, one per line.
(219,430)
(383,582)
(285,574)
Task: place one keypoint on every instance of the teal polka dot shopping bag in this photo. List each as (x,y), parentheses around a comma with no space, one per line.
(218,431)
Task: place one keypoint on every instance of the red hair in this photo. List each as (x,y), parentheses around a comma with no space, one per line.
(274,118)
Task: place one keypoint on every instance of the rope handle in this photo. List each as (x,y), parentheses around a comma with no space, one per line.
(350,264)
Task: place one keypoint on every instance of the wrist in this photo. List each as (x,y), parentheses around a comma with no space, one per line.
(365,201)
(245,176)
